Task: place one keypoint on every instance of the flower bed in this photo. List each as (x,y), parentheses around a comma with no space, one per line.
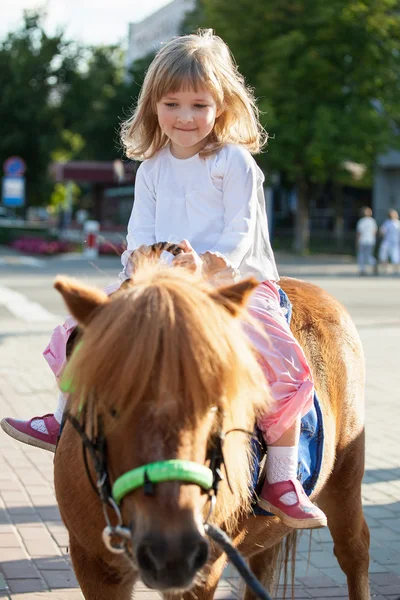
(32,245)
(41,246)
(111,249)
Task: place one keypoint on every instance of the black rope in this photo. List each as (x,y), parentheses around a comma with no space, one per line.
(237,560)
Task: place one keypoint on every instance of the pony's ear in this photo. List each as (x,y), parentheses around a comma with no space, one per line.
(82,300)
(234,297)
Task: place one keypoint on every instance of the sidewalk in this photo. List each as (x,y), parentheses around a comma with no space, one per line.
(34,560)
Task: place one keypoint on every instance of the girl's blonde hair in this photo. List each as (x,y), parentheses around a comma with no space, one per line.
(196,60)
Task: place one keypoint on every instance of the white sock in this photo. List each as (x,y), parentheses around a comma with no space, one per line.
(40,425)
(282,466)
(62,401)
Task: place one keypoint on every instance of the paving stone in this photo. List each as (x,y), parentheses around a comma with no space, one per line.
(26,585)
(9,540)
(322,558)
(385,579)
(331,592)
(20,569)
(388,590)
(385,534)
(56,563)
(385,556)
(300,593)
(223,594)
(12,554)
(59,579)
(336,574)
(322,581)
(3,584)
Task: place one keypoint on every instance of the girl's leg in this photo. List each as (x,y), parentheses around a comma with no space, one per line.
(43,431)
(289,377)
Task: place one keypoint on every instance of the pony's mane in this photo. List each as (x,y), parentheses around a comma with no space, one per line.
(163,345)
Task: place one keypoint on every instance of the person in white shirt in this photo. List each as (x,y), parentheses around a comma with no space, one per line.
(390,245)
(366,239)
(195,128)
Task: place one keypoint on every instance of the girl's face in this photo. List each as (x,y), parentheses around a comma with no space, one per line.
(187,117)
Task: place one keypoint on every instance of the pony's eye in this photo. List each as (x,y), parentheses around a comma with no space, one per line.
(114,413)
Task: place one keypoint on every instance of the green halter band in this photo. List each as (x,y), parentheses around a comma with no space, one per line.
(167,470)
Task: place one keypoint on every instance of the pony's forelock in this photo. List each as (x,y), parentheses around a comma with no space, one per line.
(164,347)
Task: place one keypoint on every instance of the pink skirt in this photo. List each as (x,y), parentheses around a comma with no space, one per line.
(282,359)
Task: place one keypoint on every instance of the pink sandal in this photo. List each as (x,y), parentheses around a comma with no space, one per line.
(301,515)
(24,432)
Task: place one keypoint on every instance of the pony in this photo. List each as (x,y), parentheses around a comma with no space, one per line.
(164,375)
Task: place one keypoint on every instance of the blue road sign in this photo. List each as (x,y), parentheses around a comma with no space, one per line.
(13,191)
(14,166)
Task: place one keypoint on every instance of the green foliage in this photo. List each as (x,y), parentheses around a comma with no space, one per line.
(96,101)
(60,101)
(61,192)
(34,70)
(326,75)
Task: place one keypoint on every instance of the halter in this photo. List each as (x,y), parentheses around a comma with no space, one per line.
(166,470)
(146,476)
(116,538)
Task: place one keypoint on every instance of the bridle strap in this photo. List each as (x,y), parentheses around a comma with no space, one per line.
(97,451)
(184,471)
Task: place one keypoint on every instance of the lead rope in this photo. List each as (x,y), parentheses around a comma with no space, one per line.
(220,538)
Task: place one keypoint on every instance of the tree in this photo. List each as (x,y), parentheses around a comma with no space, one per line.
(34,70)
(326,75)
(95,102)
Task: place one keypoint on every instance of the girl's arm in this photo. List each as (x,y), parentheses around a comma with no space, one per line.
(240,187)
(141,226)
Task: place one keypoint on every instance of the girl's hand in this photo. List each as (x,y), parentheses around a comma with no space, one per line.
(189,258)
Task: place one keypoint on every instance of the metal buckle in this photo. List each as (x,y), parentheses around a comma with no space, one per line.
(113,545)
(117,531)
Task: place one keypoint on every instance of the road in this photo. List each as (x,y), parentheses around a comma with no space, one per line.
(34,560)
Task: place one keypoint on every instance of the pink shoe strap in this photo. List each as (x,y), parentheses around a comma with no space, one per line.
(281,488)
(42,417)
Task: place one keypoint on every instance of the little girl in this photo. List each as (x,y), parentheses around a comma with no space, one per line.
(195,127)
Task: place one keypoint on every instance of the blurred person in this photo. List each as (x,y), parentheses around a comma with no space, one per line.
(81,216)
(195,127)
(390,246)
(366,229)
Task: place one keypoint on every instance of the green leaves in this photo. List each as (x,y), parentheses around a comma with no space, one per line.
(326,75)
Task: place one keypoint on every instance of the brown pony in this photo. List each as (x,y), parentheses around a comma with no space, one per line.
(163,367)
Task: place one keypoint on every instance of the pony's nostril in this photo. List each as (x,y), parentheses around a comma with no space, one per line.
(200,555)
(178,561)
(146,559)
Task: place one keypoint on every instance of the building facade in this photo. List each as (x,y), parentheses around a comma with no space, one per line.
(386,192)
(147,36)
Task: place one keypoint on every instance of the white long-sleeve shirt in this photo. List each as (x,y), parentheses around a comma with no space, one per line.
(216,203)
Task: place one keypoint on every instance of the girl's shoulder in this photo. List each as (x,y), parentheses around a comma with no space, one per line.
(235,156)
(235,153)
(151,164)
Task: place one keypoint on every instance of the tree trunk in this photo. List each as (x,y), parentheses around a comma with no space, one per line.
(301,243)
(339,220)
